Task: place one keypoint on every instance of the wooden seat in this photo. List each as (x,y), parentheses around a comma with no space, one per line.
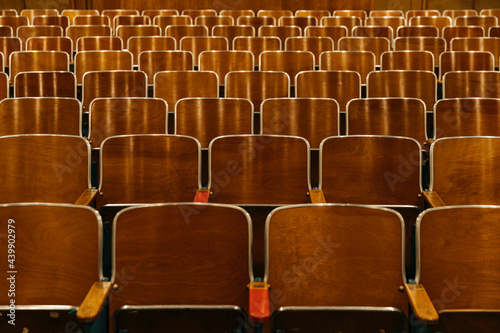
(71,13)
(45,115)
(14,21)
(347,21)
(76,31)
(4,86)
(197,45)
(351,13)
(152,13)
(435,45)
(136,45)
(332,251)
(7,46)
(466,117)
(163,21)
(31,13)
(386,13)
(212,21)
(6,31)
(404,83)
(256,45)
(418,31)
(486,22)
(276,13)
(463,171)
(112,13)
(175,85)
(453,13)
(223,62)
(313,119)
(404,117)
(180,31)
(53,292)
(421,13)
(301,22)
(28,61)
(333,32)
(26,32)
(127,31)
(374,31)
(8,12)
(438,21)
(318,13)
(45,84)
(215,240)
(257,86)
(116,83)
(51,44)
(256,21)
(87,61)
(282,32)
(315,45)
(362,62)
(290,62)
(471,84)
(208,118)
(339,85)
(235,13)
(490,12)
(128,20)
(386,21)
(233,31)
(461,31)
(490,44)
(61,164)
(377,45)
(152,62)
(465,61)
(125,116)
(61,21)
(99,43)
(150,168)
(407,60)
(194,13)
(92,20)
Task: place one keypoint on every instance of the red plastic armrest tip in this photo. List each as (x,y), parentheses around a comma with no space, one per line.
(259,301)
(202,195)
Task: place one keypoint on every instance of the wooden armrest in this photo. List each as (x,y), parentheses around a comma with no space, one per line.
(433,199)
(93,302)
(202,195)
(87,197)
(421,304)
(431,141)
(317,196)
(258,309)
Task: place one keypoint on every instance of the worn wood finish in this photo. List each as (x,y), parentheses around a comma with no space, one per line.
(113,84)
(404,83)
(386,21)
(380,170)
(92,20)
(4,86)
(31,13)
(196,45)
(374,31)
(51,44)
(233,31)
(301,22)
(421,304)
(282,32)
(208,118)
(461,31)
(27,61)
(339,85)
(14,21)
(61,165)
(463,170)
(40,116)
(76,31)
(490,44)
(257,86)
(99,43)
(5,31)
(377,45)
(471,84)
(438,21)
(125,116)
(223,62)
(333,32)
(180,31)
(87,61)
(407,60)
(148,169)
(388,116)
(212,21)
(152,13)
(194,13)
(257,45)
(259,169)
(362,62)
(62,21)
(345,245)
(465,61)
(26,32)
(152,62)
(136,45)
(71,13)
(163,21)
(467,117)
(435,45)
(418,31)
(92,304)
(311,118)
(127,31)
(235,13)
(433,199)
(175,85)
(57,252)
(173,250)
(315,45)
(486,22)
(290,62)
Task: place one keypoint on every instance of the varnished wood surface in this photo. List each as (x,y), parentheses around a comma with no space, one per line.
(301,22)
(62,21)
(26,61)
(127,31)
(152,62)
(317,13)
(196,45)
(438,21)
(180,31)
(436,45)
(212,21)
(490,44)
(257,86)
(45,84)
(113,84)
(433,199)
(257,45)
(4,86)
(311,118)
(71,13)
(283,32)
(386,13)
(471,84)
(122,116)
(256,21)
(370,170)
(461,31)
(408,60)
(404,83)
(333,32)
(362,62)
(91,20)
(31,13)
(386,21)
(235,13)
(467,117)
(453,13)
(163,21)
(348,21)
(40,116)
(130,20)
(92,304)
(256,169)
(463,170)
(14,21)
(99,43)
(112,13)
(421,12)
(388,116)
(76,31)
(175,85)
(223,62)
(418,31)
(101,61)
(149,43)
(374,31)
(334,249)
(420,303)
(486,22)
(468,321)
(6,31)
(377,45)
(194,12)
(290,62)
(339,85)
(465,61)
(43,168)
(233,31)
(56,253)
(314,44)
(51,43)
(26,32)
(148,169)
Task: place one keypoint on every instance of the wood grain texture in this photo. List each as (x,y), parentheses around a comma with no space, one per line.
(148,169)
(71,13)
(94,301)
(436,45)
(466,321)
(26,61)
(180,31)
(196,45)
(233,31)
(163,21)
(62,21)
(461,31)
(77,31)
(4,86)
(333,32)
(314,44)
(386,21)
(212,21)
(44,168)
(433,199)
(259,169)
(490,44)
(464,170)
(136,45)
(471,84)
(438,21)
(362,62)
(465,61)
(377,45)
(91,20)
(14,21)
(371,170)
(301,22)
(223,62)
(26,32)
(5,31)
(31,13)
(282,32)
(290,62)
(40,116)
(256,21)
(374,31)
(123,116)
(45,84)
(257,45)
(152,62)
(421,304)
(99,43)
(127,31)
(418,31)
(486,22)
(408,60)
(101,61)
(51,43)
(348,21)
(311,118)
